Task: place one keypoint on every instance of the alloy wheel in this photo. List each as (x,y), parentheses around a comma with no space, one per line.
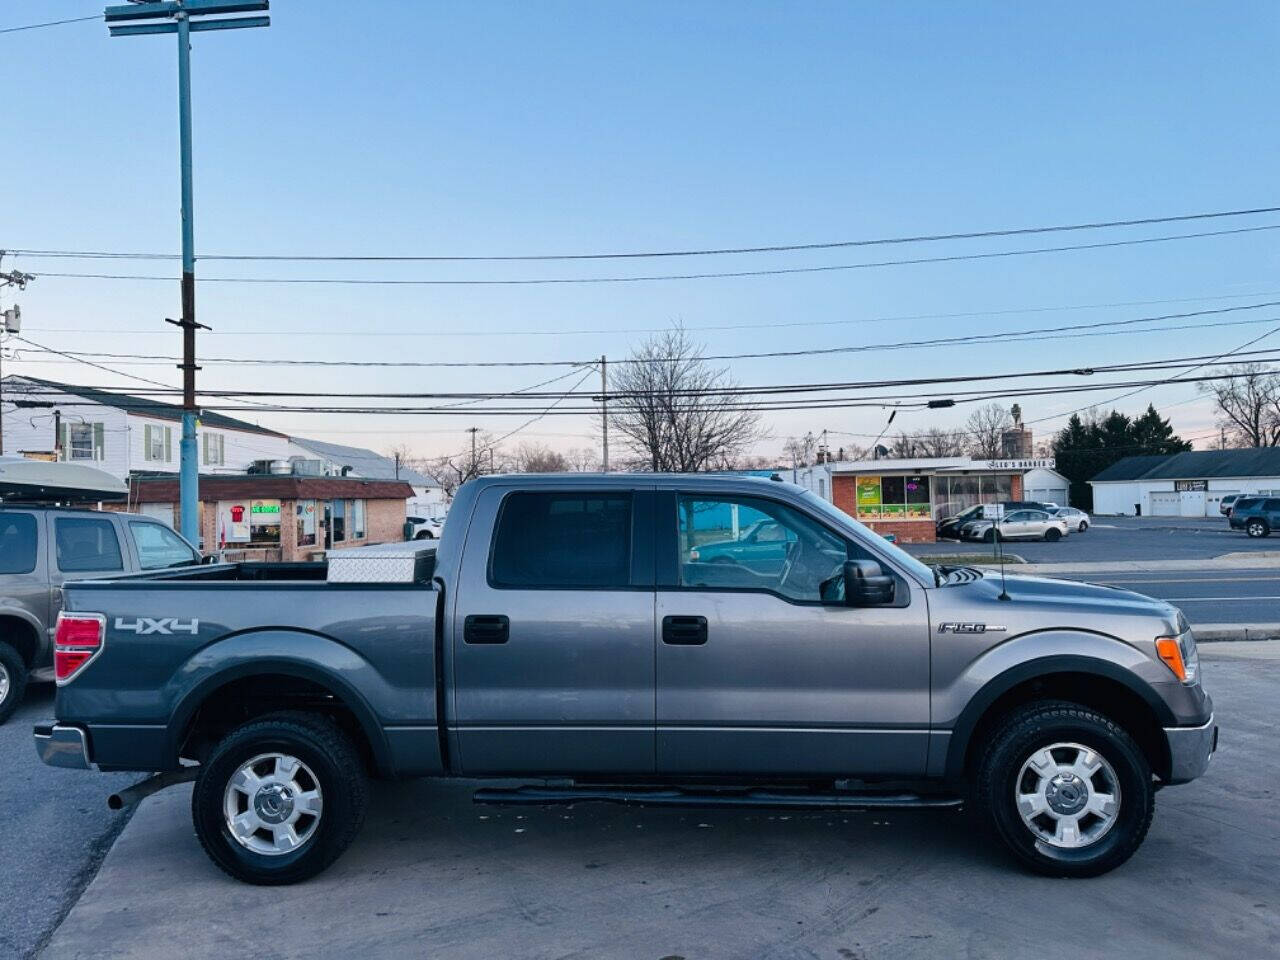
(1068,795)
(272,804)
(4,683)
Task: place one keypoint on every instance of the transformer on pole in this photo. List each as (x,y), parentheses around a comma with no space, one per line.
(182,17)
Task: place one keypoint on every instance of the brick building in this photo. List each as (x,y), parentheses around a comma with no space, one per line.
(907,498)
(270,517)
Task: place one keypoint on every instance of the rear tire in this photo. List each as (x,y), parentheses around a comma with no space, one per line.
(1053,534)
(293,786)
(13,680)
(990,536)
(1256,528)
(1049,821)
(1084,525)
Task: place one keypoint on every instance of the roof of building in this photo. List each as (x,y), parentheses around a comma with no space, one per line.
(141,405)
(363,462)
(1195,465)
(269,486)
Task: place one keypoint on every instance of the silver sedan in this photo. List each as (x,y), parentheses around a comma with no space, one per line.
(1078,519)
(1018,525)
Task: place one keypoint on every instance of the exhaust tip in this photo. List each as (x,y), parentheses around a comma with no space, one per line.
(115,802)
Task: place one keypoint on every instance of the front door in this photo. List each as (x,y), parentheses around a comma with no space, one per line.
(758,676)
(553,635)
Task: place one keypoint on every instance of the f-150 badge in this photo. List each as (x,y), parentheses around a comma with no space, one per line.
(970,628)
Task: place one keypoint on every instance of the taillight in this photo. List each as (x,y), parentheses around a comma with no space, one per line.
(78,638)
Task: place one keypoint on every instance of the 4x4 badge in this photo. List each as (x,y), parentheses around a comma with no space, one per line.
(970,628)
(164,625)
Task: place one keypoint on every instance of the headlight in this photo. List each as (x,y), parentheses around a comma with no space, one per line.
(1179,654)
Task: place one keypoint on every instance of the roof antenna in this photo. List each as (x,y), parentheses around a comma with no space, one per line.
(999,552)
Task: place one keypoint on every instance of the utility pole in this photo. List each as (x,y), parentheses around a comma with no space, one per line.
(174,16)
(604,412)
(474,470)
(10,322)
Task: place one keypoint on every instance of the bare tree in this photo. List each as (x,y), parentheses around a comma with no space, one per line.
(671,409)
(453,470)
(984,430)
(937,442)
(1248,404)
(402,457)
(799,450)
(537,458)
(583,460)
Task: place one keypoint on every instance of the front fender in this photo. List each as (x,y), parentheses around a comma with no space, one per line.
(293,653)
(960,700)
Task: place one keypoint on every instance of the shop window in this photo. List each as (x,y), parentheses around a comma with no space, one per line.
(357,519)
(338,520)
(264,521)
(893,498)
(306,517)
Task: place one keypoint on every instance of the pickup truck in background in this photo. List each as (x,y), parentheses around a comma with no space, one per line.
(571,635)
(41,549)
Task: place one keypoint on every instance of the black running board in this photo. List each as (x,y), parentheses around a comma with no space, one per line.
(517,796)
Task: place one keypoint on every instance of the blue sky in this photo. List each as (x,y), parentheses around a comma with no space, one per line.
(482,128)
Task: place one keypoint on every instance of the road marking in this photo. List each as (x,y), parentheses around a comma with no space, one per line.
(1224,579)
(1216,599)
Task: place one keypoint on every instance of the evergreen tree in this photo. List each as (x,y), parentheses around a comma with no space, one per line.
(1083,450)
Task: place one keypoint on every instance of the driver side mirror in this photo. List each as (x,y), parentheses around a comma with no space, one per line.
(866,584)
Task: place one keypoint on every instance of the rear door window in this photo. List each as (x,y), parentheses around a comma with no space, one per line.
(86,545)
(159,547)
(18,542)
(562,541)
(1271,506)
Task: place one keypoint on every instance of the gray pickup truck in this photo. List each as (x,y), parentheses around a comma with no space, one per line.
(572,636)
(41,549)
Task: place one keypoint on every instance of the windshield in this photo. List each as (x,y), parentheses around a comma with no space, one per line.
(868,536)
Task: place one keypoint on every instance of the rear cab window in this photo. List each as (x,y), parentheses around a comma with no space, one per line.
(562,541)
(86,545)
(19,543)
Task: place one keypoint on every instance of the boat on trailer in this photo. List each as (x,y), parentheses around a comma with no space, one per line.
(56,482)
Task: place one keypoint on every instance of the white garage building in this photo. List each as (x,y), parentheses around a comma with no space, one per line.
(1188,484)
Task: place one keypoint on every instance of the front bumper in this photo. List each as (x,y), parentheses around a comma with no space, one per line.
(60,746)
(1190,750)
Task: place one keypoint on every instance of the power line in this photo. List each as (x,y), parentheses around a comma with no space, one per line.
(1075,330)
(780,271)
(652,254)
(768,325)
(49,23)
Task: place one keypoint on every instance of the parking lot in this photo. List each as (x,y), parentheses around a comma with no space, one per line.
(433,875)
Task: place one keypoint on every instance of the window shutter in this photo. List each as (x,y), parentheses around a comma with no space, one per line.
(168,447)
(222,449)
(146,441)
(99,441)
(65,441)
(204,445)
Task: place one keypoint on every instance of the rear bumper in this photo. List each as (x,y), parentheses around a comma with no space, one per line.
(1190,750)
(60,746)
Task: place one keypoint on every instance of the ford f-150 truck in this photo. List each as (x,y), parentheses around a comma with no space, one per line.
(570,636)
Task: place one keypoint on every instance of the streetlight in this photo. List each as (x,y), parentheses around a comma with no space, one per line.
(175,16)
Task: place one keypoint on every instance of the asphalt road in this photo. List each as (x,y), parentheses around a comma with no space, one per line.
(434,876)
(1235,596)
(56,829)
(1127,538)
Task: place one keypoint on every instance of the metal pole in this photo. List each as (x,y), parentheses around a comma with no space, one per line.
(604,412)
(189,477)
(57,434)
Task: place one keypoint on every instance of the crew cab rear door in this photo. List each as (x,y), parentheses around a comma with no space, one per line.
(757,675)
(553,633)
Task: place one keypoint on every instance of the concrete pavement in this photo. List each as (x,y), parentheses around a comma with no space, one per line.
(434,876)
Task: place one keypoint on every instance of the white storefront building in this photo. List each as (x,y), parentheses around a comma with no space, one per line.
(1188,484)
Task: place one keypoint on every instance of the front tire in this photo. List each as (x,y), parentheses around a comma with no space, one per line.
(1053,534)
(1084,525)
(1066,789)
(280,798)
(1257,528)
(13,680)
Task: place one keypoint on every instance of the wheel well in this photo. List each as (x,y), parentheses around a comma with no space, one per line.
(21,636)
(239,701)
(1107,696)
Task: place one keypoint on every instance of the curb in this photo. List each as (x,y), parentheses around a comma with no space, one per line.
(1227,632)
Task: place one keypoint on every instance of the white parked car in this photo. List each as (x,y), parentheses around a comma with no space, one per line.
(1018,525)
(426,528)
(1078,519)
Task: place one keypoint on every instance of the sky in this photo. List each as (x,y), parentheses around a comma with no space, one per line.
(488,128)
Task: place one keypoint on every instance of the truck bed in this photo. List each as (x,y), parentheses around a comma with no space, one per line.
(174,637)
